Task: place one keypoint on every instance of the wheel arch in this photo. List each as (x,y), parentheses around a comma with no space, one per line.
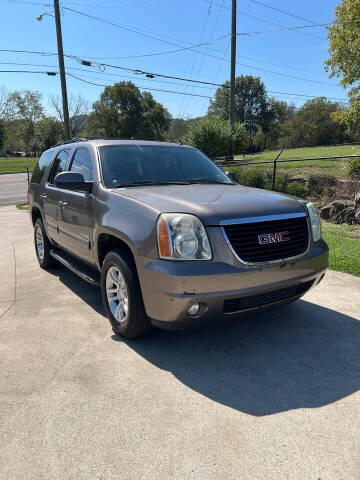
(109,241)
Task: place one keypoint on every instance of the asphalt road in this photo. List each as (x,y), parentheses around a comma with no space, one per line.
(13,188)
(271,396)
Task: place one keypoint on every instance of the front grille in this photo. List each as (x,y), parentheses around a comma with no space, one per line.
(239,304)
(244,239)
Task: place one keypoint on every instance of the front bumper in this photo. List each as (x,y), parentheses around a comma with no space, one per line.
(169,288)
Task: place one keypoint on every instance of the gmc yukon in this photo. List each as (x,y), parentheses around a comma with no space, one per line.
(169,237)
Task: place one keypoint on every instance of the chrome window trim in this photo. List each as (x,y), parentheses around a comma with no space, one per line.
(265,218)
(65,190)
(269,217)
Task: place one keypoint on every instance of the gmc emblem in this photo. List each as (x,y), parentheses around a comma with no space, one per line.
(267,238)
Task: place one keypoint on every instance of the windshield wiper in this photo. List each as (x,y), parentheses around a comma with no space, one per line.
(140,183)
(207,180)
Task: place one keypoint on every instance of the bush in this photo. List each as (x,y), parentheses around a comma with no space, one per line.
(251,177)
(318,182)
(297,189)
(281,182)
(354,168)
(212,136)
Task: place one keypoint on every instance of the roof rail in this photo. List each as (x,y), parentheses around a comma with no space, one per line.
(72,140)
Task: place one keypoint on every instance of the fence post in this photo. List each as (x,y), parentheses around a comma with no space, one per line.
(274,171)
(27,173)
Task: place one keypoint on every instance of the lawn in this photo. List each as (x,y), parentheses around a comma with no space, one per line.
(16,164)
(338,167)
(313,152)
(344,245)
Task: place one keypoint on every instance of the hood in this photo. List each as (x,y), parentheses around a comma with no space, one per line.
(214,203)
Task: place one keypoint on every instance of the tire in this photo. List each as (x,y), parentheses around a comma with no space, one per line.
(43,253)
(119,281)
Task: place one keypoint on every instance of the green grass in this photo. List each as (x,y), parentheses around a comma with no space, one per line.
(337,167)
(16,164)
(344,245)
(311,152)
(22,206)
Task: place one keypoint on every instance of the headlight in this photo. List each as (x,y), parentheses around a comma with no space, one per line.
(182,237)
(314,221)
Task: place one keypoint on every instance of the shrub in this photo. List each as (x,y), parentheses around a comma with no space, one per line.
(318,182)
(297,189)
(251,177)
(281,183)
(212,136)
(255,178)
(354,168)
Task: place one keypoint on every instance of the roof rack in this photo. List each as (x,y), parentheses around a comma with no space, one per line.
(72,140)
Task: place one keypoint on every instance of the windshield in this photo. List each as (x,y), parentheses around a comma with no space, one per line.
(124,165)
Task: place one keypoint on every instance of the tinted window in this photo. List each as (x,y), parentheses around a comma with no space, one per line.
(59,165)
(132,163)
(82,164)
(41,166)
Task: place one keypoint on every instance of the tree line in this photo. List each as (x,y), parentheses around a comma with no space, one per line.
(123,111)
(262,121)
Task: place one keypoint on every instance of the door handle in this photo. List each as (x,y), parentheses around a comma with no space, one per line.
(43,195)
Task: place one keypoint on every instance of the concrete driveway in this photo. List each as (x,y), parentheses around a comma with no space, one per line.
(13,188)
(271,396)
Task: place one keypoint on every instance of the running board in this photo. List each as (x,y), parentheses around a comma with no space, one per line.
(76,268)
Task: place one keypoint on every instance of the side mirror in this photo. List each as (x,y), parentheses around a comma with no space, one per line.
(73,181)
(231,175)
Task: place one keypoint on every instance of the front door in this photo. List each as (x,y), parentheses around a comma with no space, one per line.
(76,219)
(52,195)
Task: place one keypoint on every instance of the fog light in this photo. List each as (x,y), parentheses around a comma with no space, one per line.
(194,309)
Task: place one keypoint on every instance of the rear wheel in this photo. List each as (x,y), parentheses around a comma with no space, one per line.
(43,246)
(122,296)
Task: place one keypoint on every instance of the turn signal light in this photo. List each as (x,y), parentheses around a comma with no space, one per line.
(164,239)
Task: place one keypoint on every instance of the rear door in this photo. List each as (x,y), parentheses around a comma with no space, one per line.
(52,195)
(76,218)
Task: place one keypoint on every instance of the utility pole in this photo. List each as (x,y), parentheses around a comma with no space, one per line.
(62,70)
(232,73)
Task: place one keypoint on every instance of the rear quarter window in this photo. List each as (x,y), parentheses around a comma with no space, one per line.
(41,167)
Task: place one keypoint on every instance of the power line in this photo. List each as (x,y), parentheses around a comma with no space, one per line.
(213,85)
(207,54)
(196,56)
(291,107)
(138,71)
(298,27)
(265,21)
(153,89)
(51,74)
(141,88)
(282,11)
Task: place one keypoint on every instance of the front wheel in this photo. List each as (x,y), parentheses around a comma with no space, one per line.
(42,246)
(122,296)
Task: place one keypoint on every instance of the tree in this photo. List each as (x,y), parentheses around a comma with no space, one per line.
(49,131)
(78,112)
(344,61)
(24,110)
(313,125)
(177,130)
(212,136)
(251,103)
(123,111)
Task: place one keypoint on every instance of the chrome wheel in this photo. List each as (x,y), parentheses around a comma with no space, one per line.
(39,242)
(117,295)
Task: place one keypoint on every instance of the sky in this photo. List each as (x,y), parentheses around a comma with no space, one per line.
(287,61)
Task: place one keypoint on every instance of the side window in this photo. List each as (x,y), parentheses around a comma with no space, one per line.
(58,166)
(41,166)
(82,164)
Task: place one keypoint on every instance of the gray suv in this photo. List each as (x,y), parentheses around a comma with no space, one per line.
(169,237)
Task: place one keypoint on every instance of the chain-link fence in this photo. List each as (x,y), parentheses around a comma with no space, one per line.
(332,182)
